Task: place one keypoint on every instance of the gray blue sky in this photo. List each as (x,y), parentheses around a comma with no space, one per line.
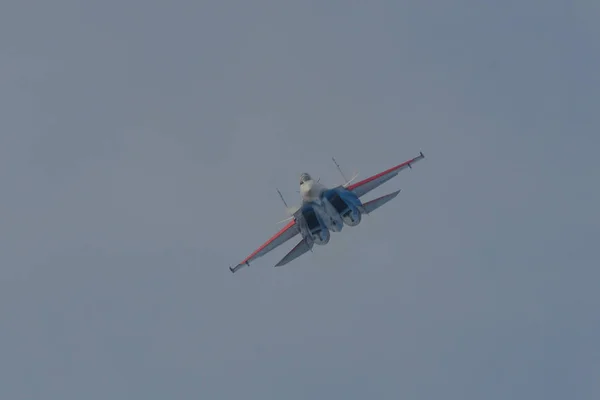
(141,145)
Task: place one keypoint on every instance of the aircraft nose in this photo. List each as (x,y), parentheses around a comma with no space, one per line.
(304,177)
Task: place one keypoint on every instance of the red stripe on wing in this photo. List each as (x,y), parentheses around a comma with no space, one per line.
(372,178)
(271,240)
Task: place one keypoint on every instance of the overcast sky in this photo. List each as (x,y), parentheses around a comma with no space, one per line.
(141,143)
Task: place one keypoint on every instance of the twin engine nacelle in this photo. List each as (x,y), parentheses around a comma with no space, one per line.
(339,207)
(321,236)
(345,204)
(314,227)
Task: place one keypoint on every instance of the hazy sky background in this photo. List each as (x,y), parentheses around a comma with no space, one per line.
(140,146)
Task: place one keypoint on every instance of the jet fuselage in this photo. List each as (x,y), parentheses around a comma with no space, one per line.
(326,210)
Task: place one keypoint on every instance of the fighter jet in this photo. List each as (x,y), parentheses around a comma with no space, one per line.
(324,210)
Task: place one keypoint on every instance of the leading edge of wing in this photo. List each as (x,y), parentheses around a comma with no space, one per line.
(285,234)
(366,185)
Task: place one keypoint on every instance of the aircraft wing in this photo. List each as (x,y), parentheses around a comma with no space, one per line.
(285,234)
(301,248)
(366,185)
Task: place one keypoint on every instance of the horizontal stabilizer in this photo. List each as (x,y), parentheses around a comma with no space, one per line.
(296,252)
(375,204)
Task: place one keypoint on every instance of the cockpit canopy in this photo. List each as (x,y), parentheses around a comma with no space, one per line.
(304,177)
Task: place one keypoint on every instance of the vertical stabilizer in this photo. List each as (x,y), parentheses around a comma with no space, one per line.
(339,169)
(289,210)
(346,181)
(282,199)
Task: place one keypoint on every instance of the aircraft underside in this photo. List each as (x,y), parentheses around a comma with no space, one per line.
(325,210)
(335,208)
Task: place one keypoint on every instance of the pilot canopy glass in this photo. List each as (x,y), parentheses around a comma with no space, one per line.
(304,177)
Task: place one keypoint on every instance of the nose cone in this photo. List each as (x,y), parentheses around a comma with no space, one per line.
(304,177)
(305,189)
